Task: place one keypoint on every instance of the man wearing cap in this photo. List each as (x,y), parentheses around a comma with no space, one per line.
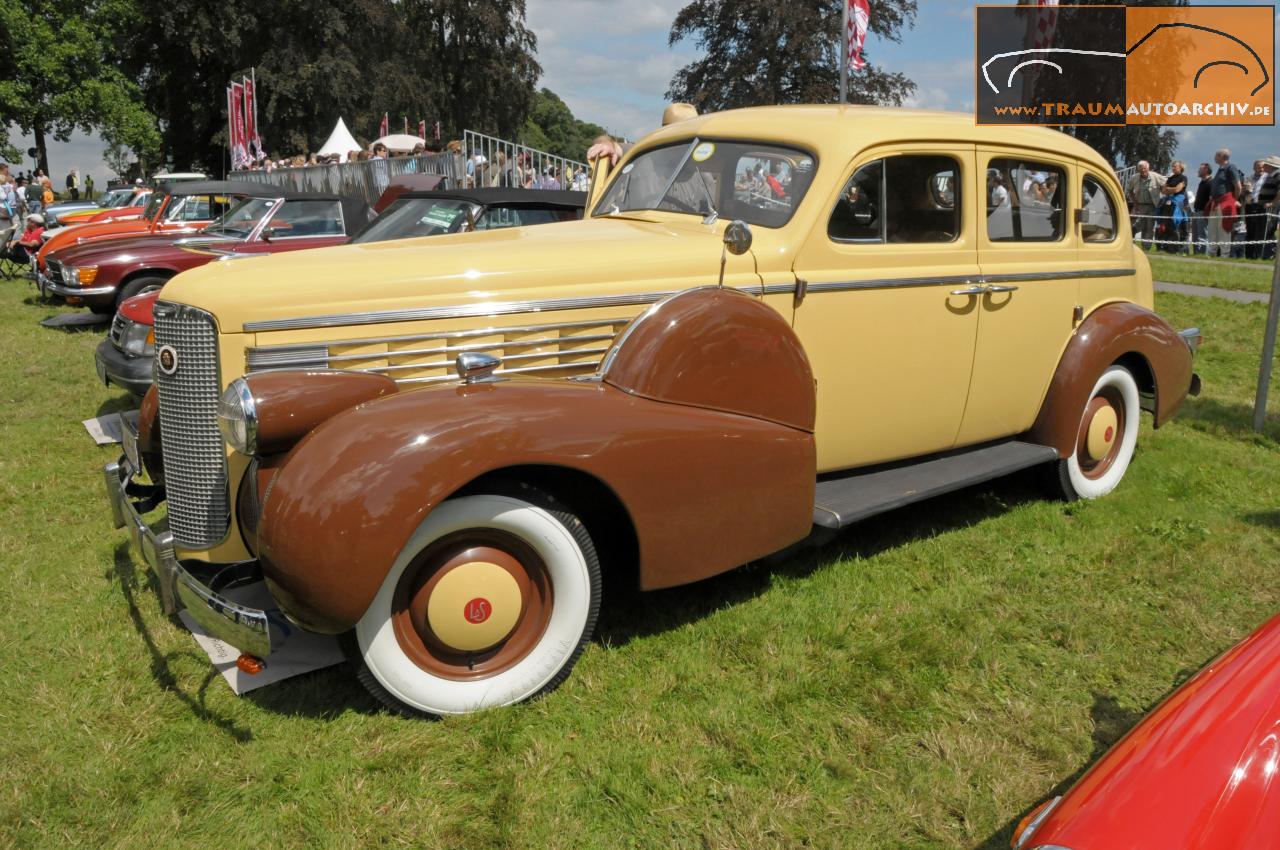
(1267,200)
(1143,194)
(20,248)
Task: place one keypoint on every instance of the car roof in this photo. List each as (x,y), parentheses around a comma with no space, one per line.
(835,131)
(508,197)
(250,188)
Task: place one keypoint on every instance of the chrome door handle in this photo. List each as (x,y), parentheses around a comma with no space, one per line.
(972,290)
(996,288)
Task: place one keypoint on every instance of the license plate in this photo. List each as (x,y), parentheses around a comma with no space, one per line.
(129,439)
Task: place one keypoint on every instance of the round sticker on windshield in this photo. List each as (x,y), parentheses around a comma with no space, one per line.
(628,167)
(805,164)
(703,152)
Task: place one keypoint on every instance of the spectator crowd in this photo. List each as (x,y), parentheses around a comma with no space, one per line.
(1229,214)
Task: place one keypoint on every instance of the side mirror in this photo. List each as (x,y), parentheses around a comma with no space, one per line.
(268,233)
(737,238)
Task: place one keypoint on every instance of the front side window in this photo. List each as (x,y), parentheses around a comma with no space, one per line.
(239,221)
(154,203)
(298,219)
(1025,201)
(1098,219)
(761,184)
(901,199)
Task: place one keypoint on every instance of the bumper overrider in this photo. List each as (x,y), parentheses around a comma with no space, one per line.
(247,629)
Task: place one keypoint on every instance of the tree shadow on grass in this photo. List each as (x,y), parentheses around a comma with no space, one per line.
(628,613)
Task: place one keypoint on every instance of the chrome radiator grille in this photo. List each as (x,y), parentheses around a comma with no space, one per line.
(116,334)
(557,349)
(195,460)
(53,270)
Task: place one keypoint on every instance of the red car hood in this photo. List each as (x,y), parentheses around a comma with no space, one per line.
(1201,772)
(97,252)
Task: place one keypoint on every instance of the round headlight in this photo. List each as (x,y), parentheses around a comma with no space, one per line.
(238,417)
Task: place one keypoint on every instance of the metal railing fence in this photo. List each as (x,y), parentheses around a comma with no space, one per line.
(490,161)
(366,180)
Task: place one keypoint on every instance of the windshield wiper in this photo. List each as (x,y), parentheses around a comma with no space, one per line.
(712,216)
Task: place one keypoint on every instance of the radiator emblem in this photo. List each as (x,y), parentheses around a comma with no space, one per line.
(167,357)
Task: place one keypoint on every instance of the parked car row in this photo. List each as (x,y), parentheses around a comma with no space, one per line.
(446,438)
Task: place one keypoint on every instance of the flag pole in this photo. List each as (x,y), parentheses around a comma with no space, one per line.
(843,43)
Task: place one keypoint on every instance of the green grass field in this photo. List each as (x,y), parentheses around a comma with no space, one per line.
(1247,275)
(921,682)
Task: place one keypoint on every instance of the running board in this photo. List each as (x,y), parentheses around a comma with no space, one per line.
(854,496)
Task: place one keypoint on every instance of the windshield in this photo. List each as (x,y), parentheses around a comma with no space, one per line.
(117,197)
(759,183)
(153,205)
(410,217)
(239,221)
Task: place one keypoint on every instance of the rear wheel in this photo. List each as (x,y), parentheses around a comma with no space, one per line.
(490,603)
(1105,439)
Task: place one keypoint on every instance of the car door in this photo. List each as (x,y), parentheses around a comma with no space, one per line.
(889,308)
(1027,252)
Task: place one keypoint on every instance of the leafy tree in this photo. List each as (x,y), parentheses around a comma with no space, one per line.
(55,77)
(781,51)
(1125,145)
(551,127)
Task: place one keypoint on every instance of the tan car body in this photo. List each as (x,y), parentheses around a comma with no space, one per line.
(696,445)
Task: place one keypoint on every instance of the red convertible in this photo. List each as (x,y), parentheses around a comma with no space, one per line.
(101,275)
(1201,772)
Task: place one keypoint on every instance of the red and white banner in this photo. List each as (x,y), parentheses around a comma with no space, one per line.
(1046,23)
(252,141)
(859,20)
(422,129)
(436,132)
(239,138)
(384,129)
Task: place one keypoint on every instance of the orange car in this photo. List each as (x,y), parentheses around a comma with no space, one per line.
(174,208)
(134,199)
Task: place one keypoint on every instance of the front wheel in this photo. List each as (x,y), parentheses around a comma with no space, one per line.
(1105,439)
(490,603)
(138,286)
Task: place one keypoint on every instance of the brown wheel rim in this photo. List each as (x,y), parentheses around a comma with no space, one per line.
(1096,467)
(428,577)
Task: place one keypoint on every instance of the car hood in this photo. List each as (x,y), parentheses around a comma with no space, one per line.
(571,259)
(128,248)
(1202,771)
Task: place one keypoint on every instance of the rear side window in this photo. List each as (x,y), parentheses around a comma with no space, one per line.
(900,199)
(1025,201)
(307,218)
(1098,216)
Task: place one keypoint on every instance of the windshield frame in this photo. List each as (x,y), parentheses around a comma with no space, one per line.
(797,153)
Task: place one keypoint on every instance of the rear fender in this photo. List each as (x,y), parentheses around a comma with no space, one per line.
(1111,334)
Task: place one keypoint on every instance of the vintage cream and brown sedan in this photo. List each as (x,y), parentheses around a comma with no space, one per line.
(772,319)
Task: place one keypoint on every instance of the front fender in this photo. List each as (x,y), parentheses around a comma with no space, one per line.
(1108,335)
(705,490)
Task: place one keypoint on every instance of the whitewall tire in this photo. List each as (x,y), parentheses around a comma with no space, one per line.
(490,603)
(1106,437)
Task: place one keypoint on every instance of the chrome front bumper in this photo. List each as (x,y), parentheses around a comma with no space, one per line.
(76,291)
(247,629)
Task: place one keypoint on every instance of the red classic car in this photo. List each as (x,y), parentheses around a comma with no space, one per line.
(124,357)
(132,209)
(1201,772)
(101,275)
(175,208)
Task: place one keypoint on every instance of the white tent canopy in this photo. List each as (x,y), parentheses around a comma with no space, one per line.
(400,142)
(340,141)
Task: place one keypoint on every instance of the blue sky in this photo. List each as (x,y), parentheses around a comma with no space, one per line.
(611,63)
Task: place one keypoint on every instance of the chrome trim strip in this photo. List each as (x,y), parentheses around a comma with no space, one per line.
(447,364)
(475,346)
(893,283)
(492,330)
(1067,275)
(522,370)
(463,311)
